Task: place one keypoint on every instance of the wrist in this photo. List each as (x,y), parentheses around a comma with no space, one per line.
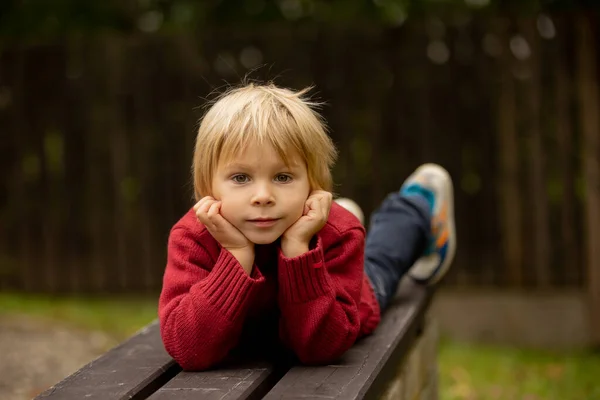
(294,247)
(245,256)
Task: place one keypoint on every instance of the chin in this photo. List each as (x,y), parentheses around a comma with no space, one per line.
(263,240)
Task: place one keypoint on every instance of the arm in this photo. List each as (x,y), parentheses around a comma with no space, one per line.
(319,294)
(202,307)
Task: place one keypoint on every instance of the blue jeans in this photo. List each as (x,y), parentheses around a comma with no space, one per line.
(398,235)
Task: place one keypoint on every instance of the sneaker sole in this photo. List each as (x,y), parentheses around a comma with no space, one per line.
(440,272)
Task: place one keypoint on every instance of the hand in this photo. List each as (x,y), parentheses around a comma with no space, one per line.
(208,211)
(296,238)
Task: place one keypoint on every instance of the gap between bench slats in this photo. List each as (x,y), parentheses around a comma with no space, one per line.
(140,368)
(236,382)
(132,370)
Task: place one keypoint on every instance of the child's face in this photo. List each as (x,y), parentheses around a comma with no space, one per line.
(260,195)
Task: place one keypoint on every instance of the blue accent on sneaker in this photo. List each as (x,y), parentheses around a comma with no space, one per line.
(442,253)
(414,189)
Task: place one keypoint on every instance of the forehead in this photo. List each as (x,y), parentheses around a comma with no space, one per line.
(262,155)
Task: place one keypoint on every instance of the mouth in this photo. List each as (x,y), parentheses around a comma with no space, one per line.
(263,222)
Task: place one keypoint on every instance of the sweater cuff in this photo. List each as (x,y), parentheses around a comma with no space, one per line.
(303,278)
(228,287)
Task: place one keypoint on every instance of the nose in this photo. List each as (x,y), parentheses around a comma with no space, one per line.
(263,196)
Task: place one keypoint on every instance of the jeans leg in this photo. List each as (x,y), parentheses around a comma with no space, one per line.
(397,237)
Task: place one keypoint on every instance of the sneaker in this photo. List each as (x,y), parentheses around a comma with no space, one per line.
(351,206)
(434,183)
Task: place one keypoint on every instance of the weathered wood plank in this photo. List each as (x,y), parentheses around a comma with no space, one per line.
(140,368)
(132,370)
(250,380)
(366,369)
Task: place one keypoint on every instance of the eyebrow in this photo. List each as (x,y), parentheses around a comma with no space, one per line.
(247,166)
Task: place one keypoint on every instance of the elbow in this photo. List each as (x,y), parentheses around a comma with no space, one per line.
(192,359)
(319,352)
(192,364)
(189,352)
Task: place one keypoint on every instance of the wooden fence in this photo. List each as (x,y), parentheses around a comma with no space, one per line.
(96,139)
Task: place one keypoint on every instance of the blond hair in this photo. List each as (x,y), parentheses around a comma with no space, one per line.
(263,113)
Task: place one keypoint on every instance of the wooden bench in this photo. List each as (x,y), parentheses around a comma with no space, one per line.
(396,362)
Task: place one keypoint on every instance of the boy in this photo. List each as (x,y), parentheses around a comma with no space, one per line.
(265,257)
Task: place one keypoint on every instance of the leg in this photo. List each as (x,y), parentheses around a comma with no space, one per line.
(413,231)
(397,237)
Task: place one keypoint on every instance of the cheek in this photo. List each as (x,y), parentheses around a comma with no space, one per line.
(298,207)
(228,209)
(297,212)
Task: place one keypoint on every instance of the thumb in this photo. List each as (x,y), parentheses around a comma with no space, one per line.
(306,209)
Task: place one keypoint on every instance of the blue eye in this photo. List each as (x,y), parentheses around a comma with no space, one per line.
(240,178)
(282,178)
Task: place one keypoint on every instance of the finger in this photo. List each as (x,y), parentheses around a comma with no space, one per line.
(195,208)
(310,204)
(213,214)
(319,203)
(202,201)
(202,217)
(202,213)
(315,208)
(325,211)
(205,207)
(213,209)
(219,222)
(199,204)
(323,207)
(327,199)
(306,209)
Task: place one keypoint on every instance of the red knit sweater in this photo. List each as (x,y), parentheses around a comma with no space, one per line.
(318,303)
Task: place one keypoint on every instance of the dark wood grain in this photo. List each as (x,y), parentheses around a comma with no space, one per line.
(243,381)
(366,369)
(132,370)
(140,368)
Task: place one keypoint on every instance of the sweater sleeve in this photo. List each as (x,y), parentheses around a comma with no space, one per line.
(319,294)
(203,303)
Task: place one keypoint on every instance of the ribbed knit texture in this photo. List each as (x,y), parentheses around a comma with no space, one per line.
(324,297)
(228,286)
(303,278)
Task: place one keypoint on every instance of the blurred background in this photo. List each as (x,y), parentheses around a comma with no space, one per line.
(100,101)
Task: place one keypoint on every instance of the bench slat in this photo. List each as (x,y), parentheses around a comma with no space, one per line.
(249,381)
(140,368)
(365,369)
(132,370)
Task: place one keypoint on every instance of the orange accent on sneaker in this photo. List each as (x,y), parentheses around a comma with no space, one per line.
(440,228)
(442,238)
(439,220)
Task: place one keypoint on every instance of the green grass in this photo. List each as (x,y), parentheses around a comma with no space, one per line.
(466,372)
(475,372)
(119,317)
